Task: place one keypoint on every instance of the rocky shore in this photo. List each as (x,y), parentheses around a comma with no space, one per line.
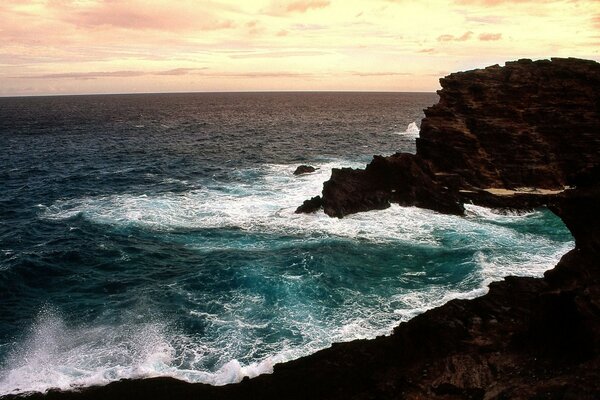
(519,136)
(510,136)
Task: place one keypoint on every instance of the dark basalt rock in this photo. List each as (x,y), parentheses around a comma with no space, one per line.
(527,338)
(304,169)
(527,124)
(401,178)
(310,206)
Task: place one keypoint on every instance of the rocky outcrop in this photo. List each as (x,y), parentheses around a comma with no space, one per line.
(310,206)
(525,125)
(401,178)
(527,338)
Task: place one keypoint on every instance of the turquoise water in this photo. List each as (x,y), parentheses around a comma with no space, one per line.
(155,235)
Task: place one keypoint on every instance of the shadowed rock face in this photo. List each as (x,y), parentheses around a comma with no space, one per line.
(528,338)
(402,178)
(525,125)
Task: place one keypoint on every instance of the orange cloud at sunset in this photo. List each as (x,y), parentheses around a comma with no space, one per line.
(108,46)
(490,36)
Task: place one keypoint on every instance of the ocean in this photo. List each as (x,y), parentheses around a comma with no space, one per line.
(155,235)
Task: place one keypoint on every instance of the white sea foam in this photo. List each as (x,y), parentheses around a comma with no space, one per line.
(267,205)
(55,355)
(412,130)
(497,215)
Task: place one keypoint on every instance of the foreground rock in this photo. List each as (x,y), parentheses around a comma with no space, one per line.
(494,134)
(528,338)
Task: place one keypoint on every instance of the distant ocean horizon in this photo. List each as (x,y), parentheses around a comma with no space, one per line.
(154,235)
(13,96)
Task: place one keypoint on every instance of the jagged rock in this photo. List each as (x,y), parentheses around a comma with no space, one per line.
(310,206)
(527,124)
(401,178)
(304,169)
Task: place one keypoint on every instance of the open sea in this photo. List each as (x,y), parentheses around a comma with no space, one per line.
(155,235)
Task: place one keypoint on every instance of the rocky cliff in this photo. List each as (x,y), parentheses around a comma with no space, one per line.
(529,124)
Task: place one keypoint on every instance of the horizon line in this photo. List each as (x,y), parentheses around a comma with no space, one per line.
(207,92)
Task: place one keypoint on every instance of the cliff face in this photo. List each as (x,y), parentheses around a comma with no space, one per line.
(528,338)
(525,125)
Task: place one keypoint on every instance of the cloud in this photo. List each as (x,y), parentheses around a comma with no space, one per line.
(113,74)
(445,38)
(265,75)
(86,75)
(141,16)
(498,2)
(487,19)
(279,54)
(180,71)
(303,6)
(381,73)
(171,72)
(596,21)
(451,38)
(487,37)
(279,8)
(308,27)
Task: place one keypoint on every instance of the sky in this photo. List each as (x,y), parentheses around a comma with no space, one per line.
(50,47)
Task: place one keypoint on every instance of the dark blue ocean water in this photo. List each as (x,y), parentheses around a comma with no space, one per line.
(145,235)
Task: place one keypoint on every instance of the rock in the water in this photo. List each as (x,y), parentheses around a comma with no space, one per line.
(402,178)
(304,169)
(310,206)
